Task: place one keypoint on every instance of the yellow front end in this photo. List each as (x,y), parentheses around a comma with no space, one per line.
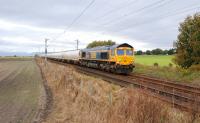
(124,56)
(125,60)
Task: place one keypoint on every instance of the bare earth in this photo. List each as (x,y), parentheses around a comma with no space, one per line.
(20,91)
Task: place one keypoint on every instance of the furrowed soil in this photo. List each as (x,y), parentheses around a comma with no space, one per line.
(78,98)
(22,94)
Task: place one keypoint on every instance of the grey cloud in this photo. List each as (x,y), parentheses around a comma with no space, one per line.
(145,25)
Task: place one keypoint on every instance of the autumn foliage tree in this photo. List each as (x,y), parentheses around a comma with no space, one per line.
(100,43)
(188,42)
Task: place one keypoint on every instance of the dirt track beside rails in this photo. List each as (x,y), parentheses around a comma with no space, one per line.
(21,91)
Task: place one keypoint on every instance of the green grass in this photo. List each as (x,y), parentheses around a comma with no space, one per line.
(162,60)
(169,73)
(145,65)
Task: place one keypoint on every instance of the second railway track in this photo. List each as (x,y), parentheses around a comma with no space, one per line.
(183,96)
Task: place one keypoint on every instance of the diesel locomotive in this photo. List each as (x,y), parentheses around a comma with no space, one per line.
(117,58)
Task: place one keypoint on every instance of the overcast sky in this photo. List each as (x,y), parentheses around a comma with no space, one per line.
(24,24)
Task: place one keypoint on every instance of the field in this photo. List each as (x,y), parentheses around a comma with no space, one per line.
(76,97)
(21,90)
(145,65)
(18,58)
(162,60)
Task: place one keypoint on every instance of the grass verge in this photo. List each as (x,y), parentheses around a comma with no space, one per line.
(169,73)
(78,98)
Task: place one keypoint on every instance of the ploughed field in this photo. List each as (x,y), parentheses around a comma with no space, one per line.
(21,90)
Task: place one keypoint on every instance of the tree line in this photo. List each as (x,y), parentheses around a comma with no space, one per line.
(101,43)
(156,51)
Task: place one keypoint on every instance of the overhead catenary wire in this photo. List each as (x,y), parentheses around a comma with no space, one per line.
(168,14)
(76,19)
(79,16)
(132,12)
(153,5)
(118,8)
(138,24)
(159,4)
(73,21)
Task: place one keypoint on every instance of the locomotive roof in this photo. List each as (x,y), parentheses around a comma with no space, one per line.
(107,47)
(120,45)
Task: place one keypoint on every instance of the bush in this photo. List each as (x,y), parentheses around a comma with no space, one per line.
(155,65)
(139,52)
(171,51)
(195,67)
(170,65)
(157,51)
(148,52)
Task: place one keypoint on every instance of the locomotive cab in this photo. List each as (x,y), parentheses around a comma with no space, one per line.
(123,55)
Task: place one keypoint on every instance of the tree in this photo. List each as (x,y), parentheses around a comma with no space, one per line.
(165,52)
(171,51)
(157,51)
(100,43)
(148,52)
(139,52)
(188,42)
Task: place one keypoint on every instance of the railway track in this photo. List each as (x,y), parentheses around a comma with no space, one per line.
(183,96)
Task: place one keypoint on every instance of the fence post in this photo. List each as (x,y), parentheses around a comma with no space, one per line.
(173,98)
(64,82)
(90,88)
(110,97)
(81,85)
